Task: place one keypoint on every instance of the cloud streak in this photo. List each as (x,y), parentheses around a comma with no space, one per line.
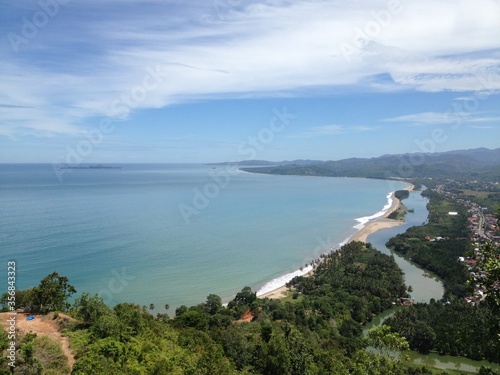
(437,118)
(67,75)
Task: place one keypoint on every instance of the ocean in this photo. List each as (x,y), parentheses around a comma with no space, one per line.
(173,234)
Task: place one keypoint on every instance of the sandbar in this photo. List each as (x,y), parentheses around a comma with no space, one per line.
(373,226)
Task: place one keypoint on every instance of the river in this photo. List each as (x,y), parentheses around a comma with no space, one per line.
(425,286)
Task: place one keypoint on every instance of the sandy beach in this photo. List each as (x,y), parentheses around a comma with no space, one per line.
(382,222)
(373,226)
(276,293)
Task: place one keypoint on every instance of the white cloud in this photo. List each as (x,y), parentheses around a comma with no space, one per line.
(68,74)
(483,127)
(327,130)
(435,118)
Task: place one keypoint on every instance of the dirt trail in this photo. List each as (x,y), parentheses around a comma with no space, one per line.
(43,325)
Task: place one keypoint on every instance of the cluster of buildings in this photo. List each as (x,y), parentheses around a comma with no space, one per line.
(484,227)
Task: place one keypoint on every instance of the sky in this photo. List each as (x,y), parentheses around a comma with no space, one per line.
(121,81)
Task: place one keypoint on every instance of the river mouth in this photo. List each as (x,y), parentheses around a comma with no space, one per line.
(426,286)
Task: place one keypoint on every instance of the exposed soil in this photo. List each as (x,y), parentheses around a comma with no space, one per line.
(247,317)
(43,325)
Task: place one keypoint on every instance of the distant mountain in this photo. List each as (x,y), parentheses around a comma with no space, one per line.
(473,163)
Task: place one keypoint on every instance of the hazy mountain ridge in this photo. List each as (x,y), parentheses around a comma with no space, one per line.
(480,163)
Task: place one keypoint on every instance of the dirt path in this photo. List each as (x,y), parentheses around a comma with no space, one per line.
(43,325)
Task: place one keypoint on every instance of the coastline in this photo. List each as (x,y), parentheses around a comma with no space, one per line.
(373,225)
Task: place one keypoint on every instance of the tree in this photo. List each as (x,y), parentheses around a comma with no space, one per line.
(31,363)
(489,261)
(423,338)
(487,371)
(382,339)
(181,310)
(89,309)
(192,318)
(278,357)
(24,299)
(167,306)
(246,296)
(213,361)
(107,326)
(52,294)
(151,306)
(213,304)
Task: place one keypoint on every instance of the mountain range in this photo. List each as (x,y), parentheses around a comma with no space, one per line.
(473,163)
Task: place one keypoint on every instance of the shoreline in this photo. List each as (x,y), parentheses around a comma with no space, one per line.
(373,225)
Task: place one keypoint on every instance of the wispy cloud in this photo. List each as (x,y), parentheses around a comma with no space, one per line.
(259,48)
(484,119)
(483,127)
(436,118)
(3,105)
(327,130)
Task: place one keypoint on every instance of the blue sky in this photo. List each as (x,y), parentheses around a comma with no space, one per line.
(224,80)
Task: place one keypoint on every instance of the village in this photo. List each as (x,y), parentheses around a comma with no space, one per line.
(483,225)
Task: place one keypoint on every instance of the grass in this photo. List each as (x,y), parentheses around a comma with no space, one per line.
(478,194)
(399,214)
(49,353)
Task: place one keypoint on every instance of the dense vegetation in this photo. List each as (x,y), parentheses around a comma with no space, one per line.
(51,295)
(363,283)
(318,330)
(36,355)
(402,210)
(458,328)
(487,198)
(437,245)
(402,194)
(478,164)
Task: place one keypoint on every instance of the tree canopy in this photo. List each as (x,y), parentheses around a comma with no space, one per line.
(50,295)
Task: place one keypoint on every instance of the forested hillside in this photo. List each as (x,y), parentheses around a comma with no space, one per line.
(315,331)
(455,325)
(437,245)
(481,164)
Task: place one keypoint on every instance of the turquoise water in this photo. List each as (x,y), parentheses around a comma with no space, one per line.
(143,234)
(425,285)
